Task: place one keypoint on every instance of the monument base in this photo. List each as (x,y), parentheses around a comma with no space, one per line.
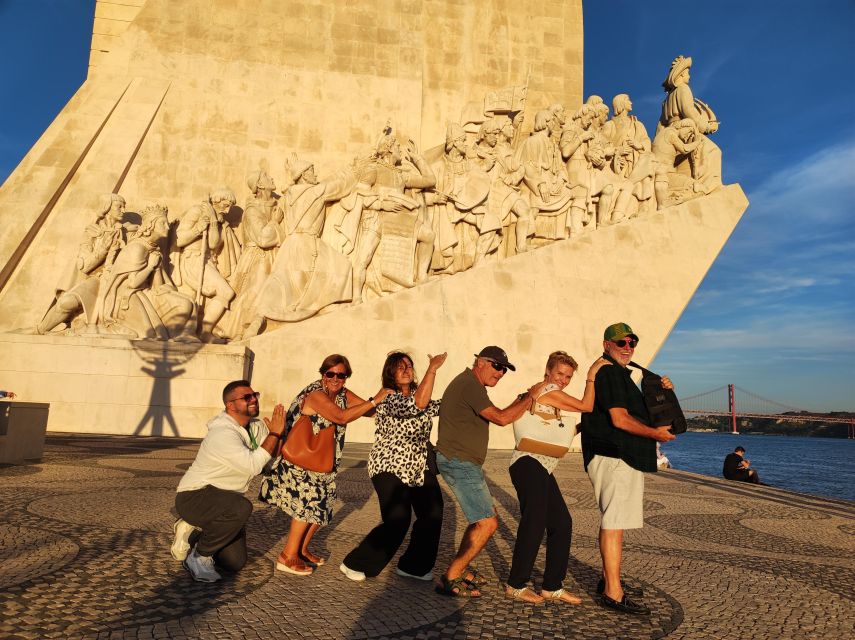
(120,386)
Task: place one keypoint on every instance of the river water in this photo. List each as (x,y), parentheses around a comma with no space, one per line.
(820,466)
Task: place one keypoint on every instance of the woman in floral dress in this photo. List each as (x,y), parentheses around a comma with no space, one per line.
(404,482)
(308,496)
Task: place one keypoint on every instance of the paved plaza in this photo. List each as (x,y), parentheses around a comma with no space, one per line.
(85,535)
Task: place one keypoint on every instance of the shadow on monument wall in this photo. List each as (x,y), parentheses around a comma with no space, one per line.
(164,360)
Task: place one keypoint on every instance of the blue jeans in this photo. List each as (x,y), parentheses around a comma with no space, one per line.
(466,481)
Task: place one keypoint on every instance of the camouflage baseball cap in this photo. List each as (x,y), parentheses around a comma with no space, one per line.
(618,331)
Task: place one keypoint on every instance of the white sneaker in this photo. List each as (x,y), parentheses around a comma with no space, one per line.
(426,577)
(201,567)
(181,544)
(356,576)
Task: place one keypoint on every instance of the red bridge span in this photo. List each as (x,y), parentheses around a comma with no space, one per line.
(722,402)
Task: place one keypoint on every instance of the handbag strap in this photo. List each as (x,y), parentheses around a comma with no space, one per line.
(644,372)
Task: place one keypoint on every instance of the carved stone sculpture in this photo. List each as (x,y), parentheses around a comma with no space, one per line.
(77,292)
(506,172)
(681,103)
(544,184)
(307,274)
(207,251)
(384,207)
(633,159)
(261,236)
(137,297)
(460,196)
(672,146)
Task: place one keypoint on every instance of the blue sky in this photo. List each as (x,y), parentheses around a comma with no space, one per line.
(775,314)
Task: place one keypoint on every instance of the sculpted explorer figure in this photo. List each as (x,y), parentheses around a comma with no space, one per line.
(633,159)
(207,250)
(102,240)
(388,181)
(671,146)
(137,296)
(307,274)
(680,103)
(261,237)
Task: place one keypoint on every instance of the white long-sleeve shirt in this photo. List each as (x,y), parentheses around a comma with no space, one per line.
(226,459)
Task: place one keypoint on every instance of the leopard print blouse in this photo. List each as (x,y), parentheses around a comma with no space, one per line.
(401,437)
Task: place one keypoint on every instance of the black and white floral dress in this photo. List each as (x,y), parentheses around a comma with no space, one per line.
(401,438)
(306,495)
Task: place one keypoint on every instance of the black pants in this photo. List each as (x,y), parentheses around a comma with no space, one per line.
(222,516)
(397,500)
(542,508)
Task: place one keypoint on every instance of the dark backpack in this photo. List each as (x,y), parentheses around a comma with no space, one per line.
(662,404)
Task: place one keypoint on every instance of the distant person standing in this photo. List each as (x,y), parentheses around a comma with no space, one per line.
(736,467)
(7,394)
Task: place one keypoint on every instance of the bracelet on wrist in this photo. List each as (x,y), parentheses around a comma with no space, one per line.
(588,380)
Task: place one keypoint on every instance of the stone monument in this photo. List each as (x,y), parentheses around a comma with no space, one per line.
(261,200)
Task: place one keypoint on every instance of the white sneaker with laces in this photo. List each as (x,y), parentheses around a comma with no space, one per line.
(426,577)
(356,576)
(201,567)
(181,543)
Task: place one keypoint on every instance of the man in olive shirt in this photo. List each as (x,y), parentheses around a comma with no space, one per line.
(618,447)
(464,418)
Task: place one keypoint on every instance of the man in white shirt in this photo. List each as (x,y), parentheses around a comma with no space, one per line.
(210,503)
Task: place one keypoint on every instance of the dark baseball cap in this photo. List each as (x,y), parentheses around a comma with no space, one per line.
(496,354)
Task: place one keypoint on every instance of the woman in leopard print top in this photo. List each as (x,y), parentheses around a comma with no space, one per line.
(399,470)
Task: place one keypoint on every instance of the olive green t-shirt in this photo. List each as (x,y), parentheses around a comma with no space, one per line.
(463,433)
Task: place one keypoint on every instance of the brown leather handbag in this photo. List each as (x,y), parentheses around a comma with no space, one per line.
(305,449)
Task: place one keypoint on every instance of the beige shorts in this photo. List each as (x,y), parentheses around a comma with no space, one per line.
(619,491)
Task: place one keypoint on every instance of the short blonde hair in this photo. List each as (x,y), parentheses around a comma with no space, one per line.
(560,357)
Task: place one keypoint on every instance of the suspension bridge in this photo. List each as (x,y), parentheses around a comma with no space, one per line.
(722,401)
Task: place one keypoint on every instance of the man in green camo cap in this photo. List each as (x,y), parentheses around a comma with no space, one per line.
(618,447)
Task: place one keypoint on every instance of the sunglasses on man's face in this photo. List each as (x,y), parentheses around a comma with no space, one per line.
(335,374)
(497,366)
(626,342)
(247,397)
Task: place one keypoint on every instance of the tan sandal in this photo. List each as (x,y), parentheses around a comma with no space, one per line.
(525,595)
(560,595)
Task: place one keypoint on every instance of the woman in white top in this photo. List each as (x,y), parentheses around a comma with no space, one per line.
(542,507)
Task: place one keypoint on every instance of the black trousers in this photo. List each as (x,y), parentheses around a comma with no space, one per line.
(397,500)
(222,516)
(542,508)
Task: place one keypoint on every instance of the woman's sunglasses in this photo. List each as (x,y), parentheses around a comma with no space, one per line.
(334,374)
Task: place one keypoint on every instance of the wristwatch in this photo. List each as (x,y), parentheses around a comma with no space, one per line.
(523,396)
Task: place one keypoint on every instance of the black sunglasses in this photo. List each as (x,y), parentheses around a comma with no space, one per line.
(247,397)
(497,366)
(334,374)
(626,342)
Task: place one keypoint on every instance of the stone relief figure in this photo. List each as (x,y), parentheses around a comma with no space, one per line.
(681,103)
(307,274)
(262,234)
(504,200)
(385,182)
(207,250)
(77,291)
(544,184)
(672,146)
(389,220)
(633,159)
(137,296)
(460,196)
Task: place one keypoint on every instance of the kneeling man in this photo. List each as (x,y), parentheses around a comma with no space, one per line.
(210,503)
